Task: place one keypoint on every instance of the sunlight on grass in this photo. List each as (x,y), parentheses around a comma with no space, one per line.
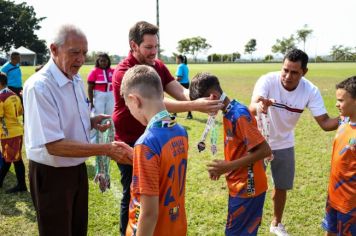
(206,201)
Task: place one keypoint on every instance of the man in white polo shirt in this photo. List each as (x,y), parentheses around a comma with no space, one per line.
(285,95)
(57,129)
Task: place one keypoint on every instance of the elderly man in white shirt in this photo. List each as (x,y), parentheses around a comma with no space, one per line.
(57,143)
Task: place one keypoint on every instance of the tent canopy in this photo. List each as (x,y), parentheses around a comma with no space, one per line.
(28,57)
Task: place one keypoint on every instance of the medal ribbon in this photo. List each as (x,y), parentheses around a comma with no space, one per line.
(159,116)
(210,125)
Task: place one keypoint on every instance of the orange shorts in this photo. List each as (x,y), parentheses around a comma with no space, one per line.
(12,149)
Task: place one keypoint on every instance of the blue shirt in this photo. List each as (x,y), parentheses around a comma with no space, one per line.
(13,73)
(183,73)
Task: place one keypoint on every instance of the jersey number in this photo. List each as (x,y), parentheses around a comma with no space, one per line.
(182,170)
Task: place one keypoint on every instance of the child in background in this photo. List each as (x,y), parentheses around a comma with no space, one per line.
(11,135)
(160,159)
(340,216)
(244,149)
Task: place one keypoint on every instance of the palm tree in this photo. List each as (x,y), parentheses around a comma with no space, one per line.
(303,34)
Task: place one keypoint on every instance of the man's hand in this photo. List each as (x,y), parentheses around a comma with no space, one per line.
(96,122)
(207,105)
(121,152)
(217,168)
(263,104)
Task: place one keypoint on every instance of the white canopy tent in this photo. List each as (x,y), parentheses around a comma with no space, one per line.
(28,57)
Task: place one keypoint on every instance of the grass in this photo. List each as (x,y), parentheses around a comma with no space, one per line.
(206,201)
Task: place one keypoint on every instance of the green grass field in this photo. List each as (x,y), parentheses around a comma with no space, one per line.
(206,201)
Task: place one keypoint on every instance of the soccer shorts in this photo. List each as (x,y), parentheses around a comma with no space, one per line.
(12,149)
(283,168)
(339,223)
(244,215)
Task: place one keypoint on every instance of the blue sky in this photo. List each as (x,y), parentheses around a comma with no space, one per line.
(226,24)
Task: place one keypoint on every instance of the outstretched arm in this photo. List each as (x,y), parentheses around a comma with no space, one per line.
(327,123)
(260,103)
(183,104)
(118,151)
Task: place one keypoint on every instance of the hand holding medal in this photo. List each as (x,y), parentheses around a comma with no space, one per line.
(210,125)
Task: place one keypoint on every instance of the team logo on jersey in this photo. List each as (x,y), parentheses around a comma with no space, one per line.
(174,213)
(229,136)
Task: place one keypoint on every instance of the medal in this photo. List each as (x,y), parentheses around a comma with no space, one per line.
(210,125)
(263,125)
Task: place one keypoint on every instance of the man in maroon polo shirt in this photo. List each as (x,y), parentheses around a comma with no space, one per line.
(143,41)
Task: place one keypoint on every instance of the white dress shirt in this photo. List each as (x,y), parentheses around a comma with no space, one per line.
(55,108)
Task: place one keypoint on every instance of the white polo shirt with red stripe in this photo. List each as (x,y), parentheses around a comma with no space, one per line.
(285,113)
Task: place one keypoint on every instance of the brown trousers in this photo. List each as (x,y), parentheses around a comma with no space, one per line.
(60,197)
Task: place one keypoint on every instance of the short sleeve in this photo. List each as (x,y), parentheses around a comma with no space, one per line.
(164,73)
(316,103)
(92,76)
(44,116)
(261,87)
(247,131)
(145,178)
(179,72)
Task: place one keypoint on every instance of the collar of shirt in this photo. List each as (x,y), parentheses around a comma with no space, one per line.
(58,75)
(4,90)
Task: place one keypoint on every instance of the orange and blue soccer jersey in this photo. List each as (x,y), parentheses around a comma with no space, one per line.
(342,183)
(10,111)
(159,169)
(240,136)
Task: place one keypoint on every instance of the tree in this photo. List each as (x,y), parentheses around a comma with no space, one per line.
(250,47)
(40,47)
(342,53)
(223,57)
(18,23)
(284,45)
(268,57)
(193,46)
(303,34)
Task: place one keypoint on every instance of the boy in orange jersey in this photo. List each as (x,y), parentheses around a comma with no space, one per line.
(11,132)
(244,149)
(340,216)
(159,160)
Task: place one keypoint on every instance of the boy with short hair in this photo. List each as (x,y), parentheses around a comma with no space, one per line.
(244,148)
(159,161)
(340,216)
(11,132)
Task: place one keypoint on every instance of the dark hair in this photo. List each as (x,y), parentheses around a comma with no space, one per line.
(13,54)
(3,79)
(296,55)
(141,28)
(182,58)
(202,84)
(349,85)
(103,55)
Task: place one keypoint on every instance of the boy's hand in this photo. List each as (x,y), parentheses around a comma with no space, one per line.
(218,167)
(213,177)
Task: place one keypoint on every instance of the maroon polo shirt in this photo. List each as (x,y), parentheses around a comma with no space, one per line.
(127,128)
